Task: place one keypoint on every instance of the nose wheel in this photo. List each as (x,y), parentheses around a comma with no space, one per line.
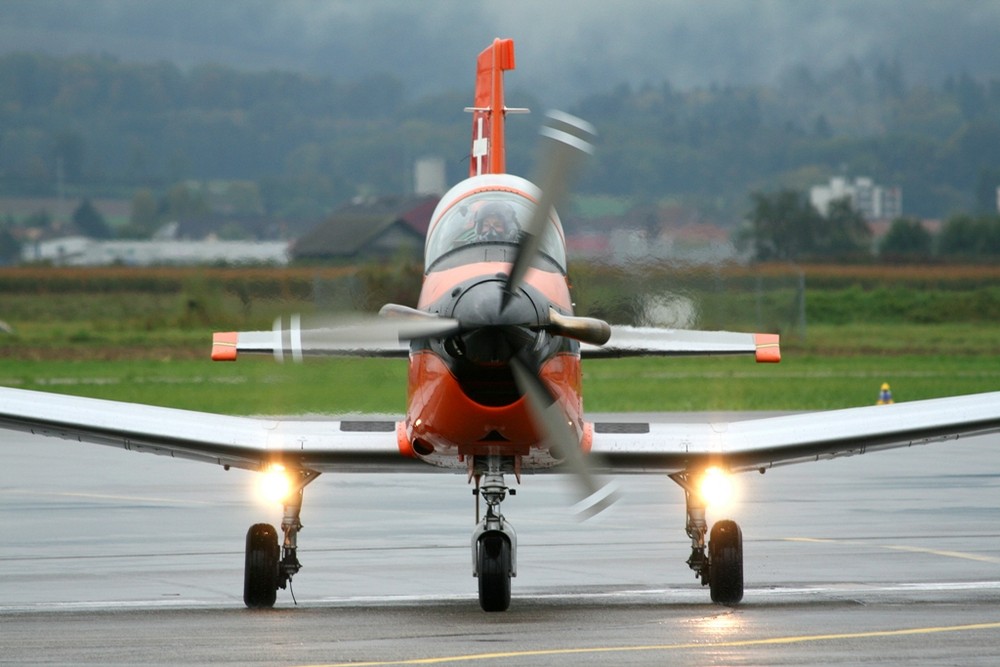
(493,554)
(494,542)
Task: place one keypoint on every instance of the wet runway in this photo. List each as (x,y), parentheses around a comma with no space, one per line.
(113,557)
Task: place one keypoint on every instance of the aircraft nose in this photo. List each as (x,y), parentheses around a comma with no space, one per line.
(491,336)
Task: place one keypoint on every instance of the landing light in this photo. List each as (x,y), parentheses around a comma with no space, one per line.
(274,485)
(716,488)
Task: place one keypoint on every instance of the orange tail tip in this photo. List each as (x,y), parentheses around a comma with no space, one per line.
(224,346)
(488,155)
(768,348)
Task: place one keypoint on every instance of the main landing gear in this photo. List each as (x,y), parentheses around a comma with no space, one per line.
(721,569)
(717,563)
(269,567)
(494,542)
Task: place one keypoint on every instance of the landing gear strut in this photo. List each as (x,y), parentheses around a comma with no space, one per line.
(494,542)
(721,568)
(269,568)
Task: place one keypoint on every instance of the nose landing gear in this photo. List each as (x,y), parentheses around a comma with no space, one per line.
(494,542)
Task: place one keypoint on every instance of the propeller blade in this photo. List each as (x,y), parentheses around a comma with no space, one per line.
(551,421)
(567,140)
(584,329)
(359,336)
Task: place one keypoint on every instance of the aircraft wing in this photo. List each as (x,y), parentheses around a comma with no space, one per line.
(240,442)
(367,445)
(758,444)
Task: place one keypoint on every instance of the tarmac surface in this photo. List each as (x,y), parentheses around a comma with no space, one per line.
(112,557)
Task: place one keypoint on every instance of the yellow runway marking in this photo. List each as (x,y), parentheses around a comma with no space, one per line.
(774,641)
(947,554)
(898,547)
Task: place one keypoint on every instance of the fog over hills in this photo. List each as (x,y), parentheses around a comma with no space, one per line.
(565,49)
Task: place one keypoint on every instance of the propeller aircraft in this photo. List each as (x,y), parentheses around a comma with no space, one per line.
(494,385)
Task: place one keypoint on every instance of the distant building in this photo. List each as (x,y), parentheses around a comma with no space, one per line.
(874,202)
(380,228)
(83,251)
(429,176)
(236,228)
(665,232)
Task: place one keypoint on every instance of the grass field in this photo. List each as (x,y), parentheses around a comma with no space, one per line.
(919,361)
(149,342)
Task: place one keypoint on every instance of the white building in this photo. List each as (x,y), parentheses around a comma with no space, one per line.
(429,176)
(82,251)
(874,202)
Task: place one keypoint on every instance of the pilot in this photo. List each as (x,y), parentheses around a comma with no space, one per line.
(496,221)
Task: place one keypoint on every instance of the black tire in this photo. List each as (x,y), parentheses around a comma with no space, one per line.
(725,570)
(260,575)
(494,572)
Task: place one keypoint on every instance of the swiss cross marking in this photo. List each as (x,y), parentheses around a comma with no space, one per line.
(480,147)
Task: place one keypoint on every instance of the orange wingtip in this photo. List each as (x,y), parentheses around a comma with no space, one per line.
(224,346)
(768,348)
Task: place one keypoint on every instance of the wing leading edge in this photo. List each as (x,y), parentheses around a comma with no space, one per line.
(796,438)
(371,446)
(239,442)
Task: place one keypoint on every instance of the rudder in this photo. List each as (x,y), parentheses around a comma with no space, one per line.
(488,153)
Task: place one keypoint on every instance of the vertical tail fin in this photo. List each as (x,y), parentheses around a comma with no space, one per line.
(488,114)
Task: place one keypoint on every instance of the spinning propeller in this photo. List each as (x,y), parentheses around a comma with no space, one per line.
(567,140)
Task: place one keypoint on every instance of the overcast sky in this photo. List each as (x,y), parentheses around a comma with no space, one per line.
(564,49)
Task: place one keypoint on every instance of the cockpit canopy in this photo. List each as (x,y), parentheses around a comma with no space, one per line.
(484,218)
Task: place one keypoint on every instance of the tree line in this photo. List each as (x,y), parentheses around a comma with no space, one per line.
(98,126)
(785,226)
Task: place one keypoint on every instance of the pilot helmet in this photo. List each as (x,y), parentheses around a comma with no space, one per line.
(496,221)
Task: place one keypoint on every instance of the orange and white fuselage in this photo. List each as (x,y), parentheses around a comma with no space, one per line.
(462,400)
(458,409)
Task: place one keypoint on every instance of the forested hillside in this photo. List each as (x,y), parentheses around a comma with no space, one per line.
(101,126)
